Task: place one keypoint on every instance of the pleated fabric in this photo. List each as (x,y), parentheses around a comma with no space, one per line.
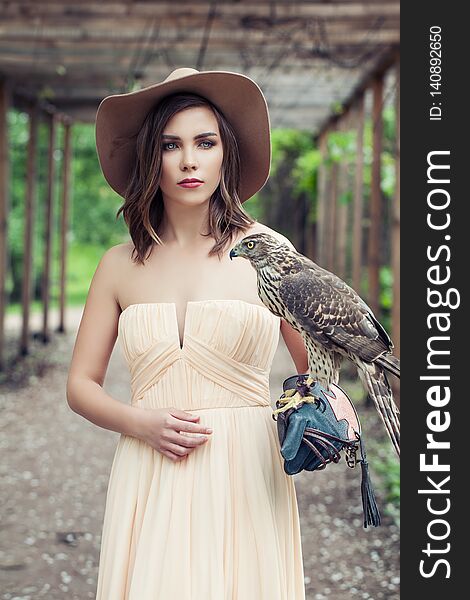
(223,524)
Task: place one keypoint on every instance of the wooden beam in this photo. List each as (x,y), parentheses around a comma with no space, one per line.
(48,234)
(358,199)
(64,223)
(387,57)
(374,255)
(114,32)
(183,9)
(30,200)
(4,209)
(65,38)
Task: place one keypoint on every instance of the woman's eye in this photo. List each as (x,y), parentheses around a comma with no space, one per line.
(173,144)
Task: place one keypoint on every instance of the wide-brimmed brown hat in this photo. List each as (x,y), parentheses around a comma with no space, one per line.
(120,117)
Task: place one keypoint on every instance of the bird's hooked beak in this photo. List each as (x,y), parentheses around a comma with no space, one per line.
(233,252)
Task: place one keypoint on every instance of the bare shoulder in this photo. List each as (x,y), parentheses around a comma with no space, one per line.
(113,262)
(124,250)
(119,255)
(261,228)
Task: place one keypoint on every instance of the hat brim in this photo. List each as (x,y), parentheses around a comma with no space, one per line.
(120,117)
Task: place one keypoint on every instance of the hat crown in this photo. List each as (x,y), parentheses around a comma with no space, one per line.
(181,72)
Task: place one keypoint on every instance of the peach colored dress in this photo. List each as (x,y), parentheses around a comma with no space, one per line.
(223,524)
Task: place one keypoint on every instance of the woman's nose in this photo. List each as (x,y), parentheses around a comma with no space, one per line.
(188,160)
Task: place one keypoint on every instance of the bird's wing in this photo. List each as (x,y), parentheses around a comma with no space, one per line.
(332,313)
(375,380)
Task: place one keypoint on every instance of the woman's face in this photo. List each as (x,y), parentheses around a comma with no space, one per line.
(191,149)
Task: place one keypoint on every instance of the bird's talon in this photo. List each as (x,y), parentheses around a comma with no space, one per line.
(320,404)
(292,400)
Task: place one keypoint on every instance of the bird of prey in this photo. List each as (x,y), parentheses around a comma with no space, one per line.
(332,319)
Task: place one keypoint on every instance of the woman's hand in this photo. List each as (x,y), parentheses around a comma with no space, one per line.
(161,427)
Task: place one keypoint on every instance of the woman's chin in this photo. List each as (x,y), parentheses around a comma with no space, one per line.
(189,199)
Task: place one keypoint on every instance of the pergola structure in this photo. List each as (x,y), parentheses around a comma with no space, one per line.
(316,62)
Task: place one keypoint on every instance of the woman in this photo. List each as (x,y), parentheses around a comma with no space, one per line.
(198,504)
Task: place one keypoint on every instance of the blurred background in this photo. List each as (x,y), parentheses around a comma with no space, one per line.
(330,73)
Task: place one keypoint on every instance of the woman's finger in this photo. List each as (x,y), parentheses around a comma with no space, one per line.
(182,414)
(188,440)
(170,455)
(178,450)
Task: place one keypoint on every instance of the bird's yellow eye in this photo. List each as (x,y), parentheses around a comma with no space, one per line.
(250,245)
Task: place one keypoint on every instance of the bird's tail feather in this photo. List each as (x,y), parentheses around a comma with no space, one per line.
(381,393)
(389,362)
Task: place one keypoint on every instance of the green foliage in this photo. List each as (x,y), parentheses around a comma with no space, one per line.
(294,167)
(254,207)
(388,175)
(82,263)
(387,466)
(94,203)
(386,295)
(92,208)
(304,172)
(341,146)
(293,151)
(287,146)
(386,283)
(389,128)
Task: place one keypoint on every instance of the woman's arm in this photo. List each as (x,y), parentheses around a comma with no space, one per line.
(94,344)
(296,347)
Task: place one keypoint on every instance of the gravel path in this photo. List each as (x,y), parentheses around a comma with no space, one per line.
(54,474)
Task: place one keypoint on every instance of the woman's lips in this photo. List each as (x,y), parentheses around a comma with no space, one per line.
(191,184)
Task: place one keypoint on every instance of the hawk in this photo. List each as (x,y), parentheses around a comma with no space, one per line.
(332,319)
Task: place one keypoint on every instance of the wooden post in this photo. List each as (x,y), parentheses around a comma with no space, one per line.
(331,193)
(64,222)
(358,200)
(298,214)
(30,200)
(376,197)
(4,208)
(311,231)
(341,225)
(331,222)
(341,228)
(396,227)
(322,200)
(48,229)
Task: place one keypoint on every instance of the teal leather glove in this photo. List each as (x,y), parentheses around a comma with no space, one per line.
(313,434)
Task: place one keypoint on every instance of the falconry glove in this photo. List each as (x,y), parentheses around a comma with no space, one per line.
(313,433)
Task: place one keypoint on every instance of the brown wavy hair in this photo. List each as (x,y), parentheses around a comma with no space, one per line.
(143,206)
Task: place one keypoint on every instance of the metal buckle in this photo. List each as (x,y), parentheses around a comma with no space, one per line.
(350,455)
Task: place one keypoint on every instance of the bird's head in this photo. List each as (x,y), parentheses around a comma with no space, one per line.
(259,248)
